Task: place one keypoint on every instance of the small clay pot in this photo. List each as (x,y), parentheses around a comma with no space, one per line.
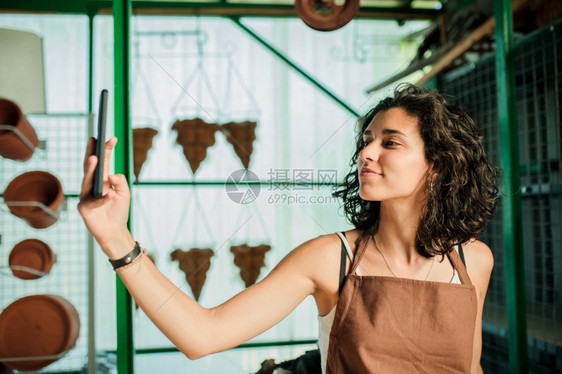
(11,144)
(142,142)
(36,326)
(35,187)
(33,254)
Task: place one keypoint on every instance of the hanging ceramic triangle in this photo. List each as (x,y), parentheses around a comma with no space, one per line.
(241,135)
(142,143)
(250,260)
(195,136)
(194,263)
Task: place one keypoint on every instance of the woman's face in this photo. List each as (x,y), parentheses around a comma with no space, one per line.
(392,165)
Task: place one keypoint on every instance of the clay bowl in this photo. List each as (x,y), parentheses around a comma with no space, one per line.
(37,326)
(35,186)
(33,254)
(11,145)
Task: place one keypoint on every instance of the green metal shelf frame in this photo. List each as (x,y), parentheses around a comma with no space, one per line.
(511,199)
(92,364)
(123,161)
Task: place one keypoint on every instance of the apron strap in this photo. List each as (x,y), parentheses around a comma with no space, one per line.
(455,259)
(359,252)
(346,249)
(342,267)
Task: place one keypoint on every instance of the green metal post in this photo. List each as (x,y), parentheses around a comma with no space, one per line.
(90,60)
(121,20)
(295,67)
(92,369)
(512,220)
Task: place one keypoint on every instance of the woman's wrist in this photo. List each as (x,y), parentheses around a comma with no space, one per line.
(119,246)
(129,259)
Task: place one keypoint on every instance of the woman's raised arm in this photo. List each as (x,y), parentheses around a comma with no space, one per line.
(195,330)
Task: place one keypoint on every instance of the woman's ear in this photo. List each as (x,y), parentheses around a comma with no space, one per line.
(432,177)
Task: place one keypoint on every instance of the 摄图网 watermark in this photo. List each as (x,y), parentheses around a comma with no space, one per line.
(287,186)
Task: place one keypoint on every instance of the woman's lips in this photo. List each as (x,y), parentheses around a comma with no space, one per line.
(368,173)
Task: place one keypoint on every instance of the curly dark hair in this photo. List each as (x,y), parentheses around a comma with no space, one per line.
(462,184)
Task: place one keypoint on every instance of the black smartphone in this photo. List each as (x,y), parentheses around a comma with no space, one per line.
(100,145)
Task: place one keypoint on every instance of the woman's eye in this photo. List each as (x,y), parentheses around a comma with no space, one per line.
(389,143)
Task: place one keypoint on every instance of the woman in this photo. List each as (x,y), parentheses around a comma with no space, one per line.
(394,294)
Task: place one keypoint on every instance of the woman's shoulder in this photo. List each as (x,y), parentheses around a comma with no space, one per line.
(328,243)
(479,261)
(321,245)
(324,252)
(478,254)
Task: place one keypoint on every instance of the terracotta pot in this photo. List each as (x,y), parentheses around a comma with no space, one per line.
(19,142)
(36,326)
(195,136)
(325,15)
(241,135)
(250,260)
(41,191)
(194,263)
(142,142)
(33,254)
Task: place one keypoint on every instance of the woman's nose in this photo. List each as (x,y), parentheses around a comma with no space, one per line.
(370,152)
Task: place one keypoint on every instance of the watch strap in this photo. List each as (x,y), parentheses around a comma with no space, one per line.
(128,258)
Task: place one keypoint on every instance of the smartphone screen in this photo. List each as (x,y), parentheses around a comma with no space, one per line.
(100,145)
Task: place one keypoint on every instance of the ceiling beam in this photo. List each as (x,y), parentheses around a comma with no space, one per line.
(219,8)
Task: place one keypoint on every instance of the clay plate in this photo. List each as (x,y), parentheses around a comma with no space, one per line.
(34,254)
(38,325)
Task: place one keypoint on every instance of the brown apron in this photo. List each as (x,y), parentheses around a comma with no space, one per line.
(398,325)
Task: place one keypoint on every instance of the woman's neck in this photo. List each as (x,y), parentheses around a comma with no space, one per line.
(398,225)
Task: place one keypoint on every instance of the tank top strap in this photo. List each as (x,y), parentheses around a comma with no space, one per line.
(346,250)
(457,263)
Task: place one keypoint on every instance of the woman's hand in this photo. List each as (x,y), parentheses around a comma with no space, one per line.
(106,218)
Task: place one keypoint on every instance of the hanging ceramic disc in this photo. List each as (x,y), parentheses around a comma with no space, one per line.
(39,329)
(31,254)
(326,15)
